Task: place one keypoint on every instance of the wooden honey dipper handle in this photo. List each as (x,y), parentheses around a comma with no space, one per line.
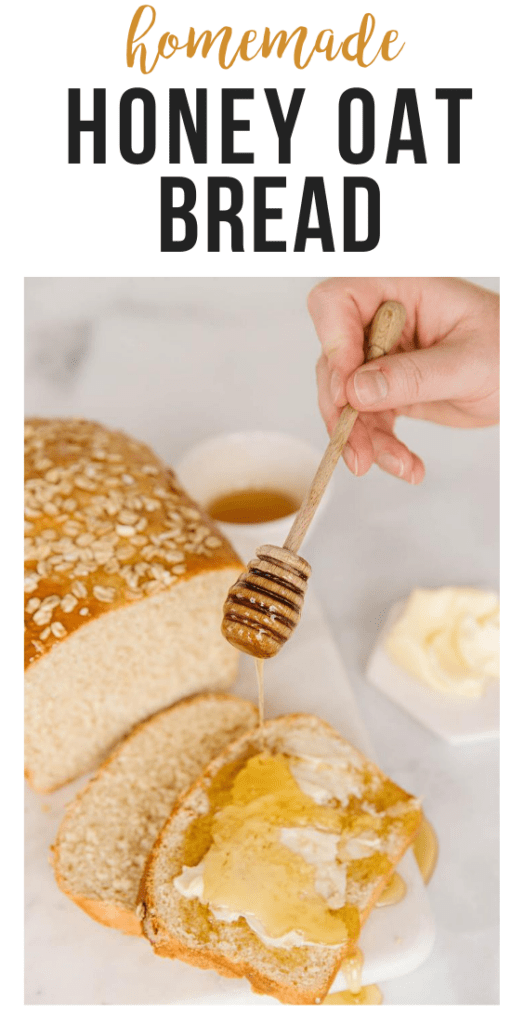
(386,329)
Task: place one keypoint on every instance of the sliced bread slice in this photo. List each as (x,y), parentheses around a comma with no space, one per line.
(108,830)
(243,832)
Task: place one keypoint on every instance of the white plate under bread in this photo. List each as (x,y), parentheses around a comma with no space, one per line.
(73,960)
(454,719)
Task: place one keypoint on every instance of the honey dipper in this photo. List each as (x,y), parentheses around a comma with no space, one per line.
(263,607)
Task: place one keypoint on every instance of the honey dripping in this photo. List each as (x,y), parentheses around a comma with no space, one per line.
(425,848)
(259,665)
(252,506)
(393,893)
(370,995)
(356,994)
(352,971)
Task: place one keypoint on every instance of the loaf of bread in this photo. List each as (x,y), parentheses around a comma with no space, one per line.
(101,847)
(124,587)
(270,864)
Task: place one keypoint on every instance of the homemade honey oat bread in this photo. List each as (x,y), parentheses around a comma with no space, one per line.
(124,587)
(269,865)
(101,847)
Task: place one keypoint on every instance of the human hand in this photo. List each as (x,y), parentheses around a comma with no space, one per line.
(445,368)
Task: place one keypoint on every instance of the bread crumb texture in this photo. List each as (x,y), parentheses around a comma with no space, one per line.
(109,828)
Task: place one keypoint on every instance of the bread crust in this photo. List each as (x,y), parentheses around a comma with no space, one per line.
(110,914)
(167,945)
(107,524)
(106,912)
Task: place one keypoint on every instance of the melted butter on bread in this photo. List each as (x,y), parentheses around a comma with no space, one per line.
(297,866)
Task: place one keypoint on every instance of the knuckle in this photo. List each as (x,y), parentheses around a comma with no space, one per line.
(319,295)
(410,378)
(313,299)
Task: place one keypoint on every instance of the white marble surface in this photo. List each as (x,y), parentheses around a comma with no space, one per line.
(176,360)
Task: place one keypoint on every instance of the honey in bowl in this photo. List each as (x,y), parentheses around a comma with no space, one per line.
(252,506)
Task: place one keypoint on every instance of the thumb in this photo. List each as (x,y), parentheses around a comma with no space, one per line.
(425,375)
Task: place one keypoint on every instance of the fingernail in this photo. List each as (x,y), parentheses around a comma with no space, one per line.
(371,386)
(390,463)
(337,388)
(352,460)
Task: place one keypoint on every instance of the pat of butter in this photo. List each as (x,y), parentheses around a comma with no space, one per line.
(324,781)
(319,849)
(448,638)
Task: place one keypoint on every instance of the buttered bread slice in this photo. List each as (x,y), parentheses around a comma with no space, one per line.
(108,830)
(270,864)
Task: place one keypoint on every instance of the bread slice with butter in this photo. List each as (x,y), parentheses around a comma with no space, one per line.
(270,864)
(108,830)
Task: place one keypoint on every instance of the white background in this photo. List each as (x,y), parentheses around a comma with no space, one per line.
(104,219)
(96,221)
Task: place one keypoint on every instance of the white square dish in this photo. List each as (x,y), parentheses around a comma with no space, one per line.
(455,719)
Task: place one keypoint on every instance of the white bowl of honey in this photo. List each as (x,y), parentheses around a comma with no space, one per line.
(252,483)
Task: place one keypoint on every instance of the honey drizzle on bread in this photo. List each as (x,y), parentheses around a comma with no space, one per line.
(183,928)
